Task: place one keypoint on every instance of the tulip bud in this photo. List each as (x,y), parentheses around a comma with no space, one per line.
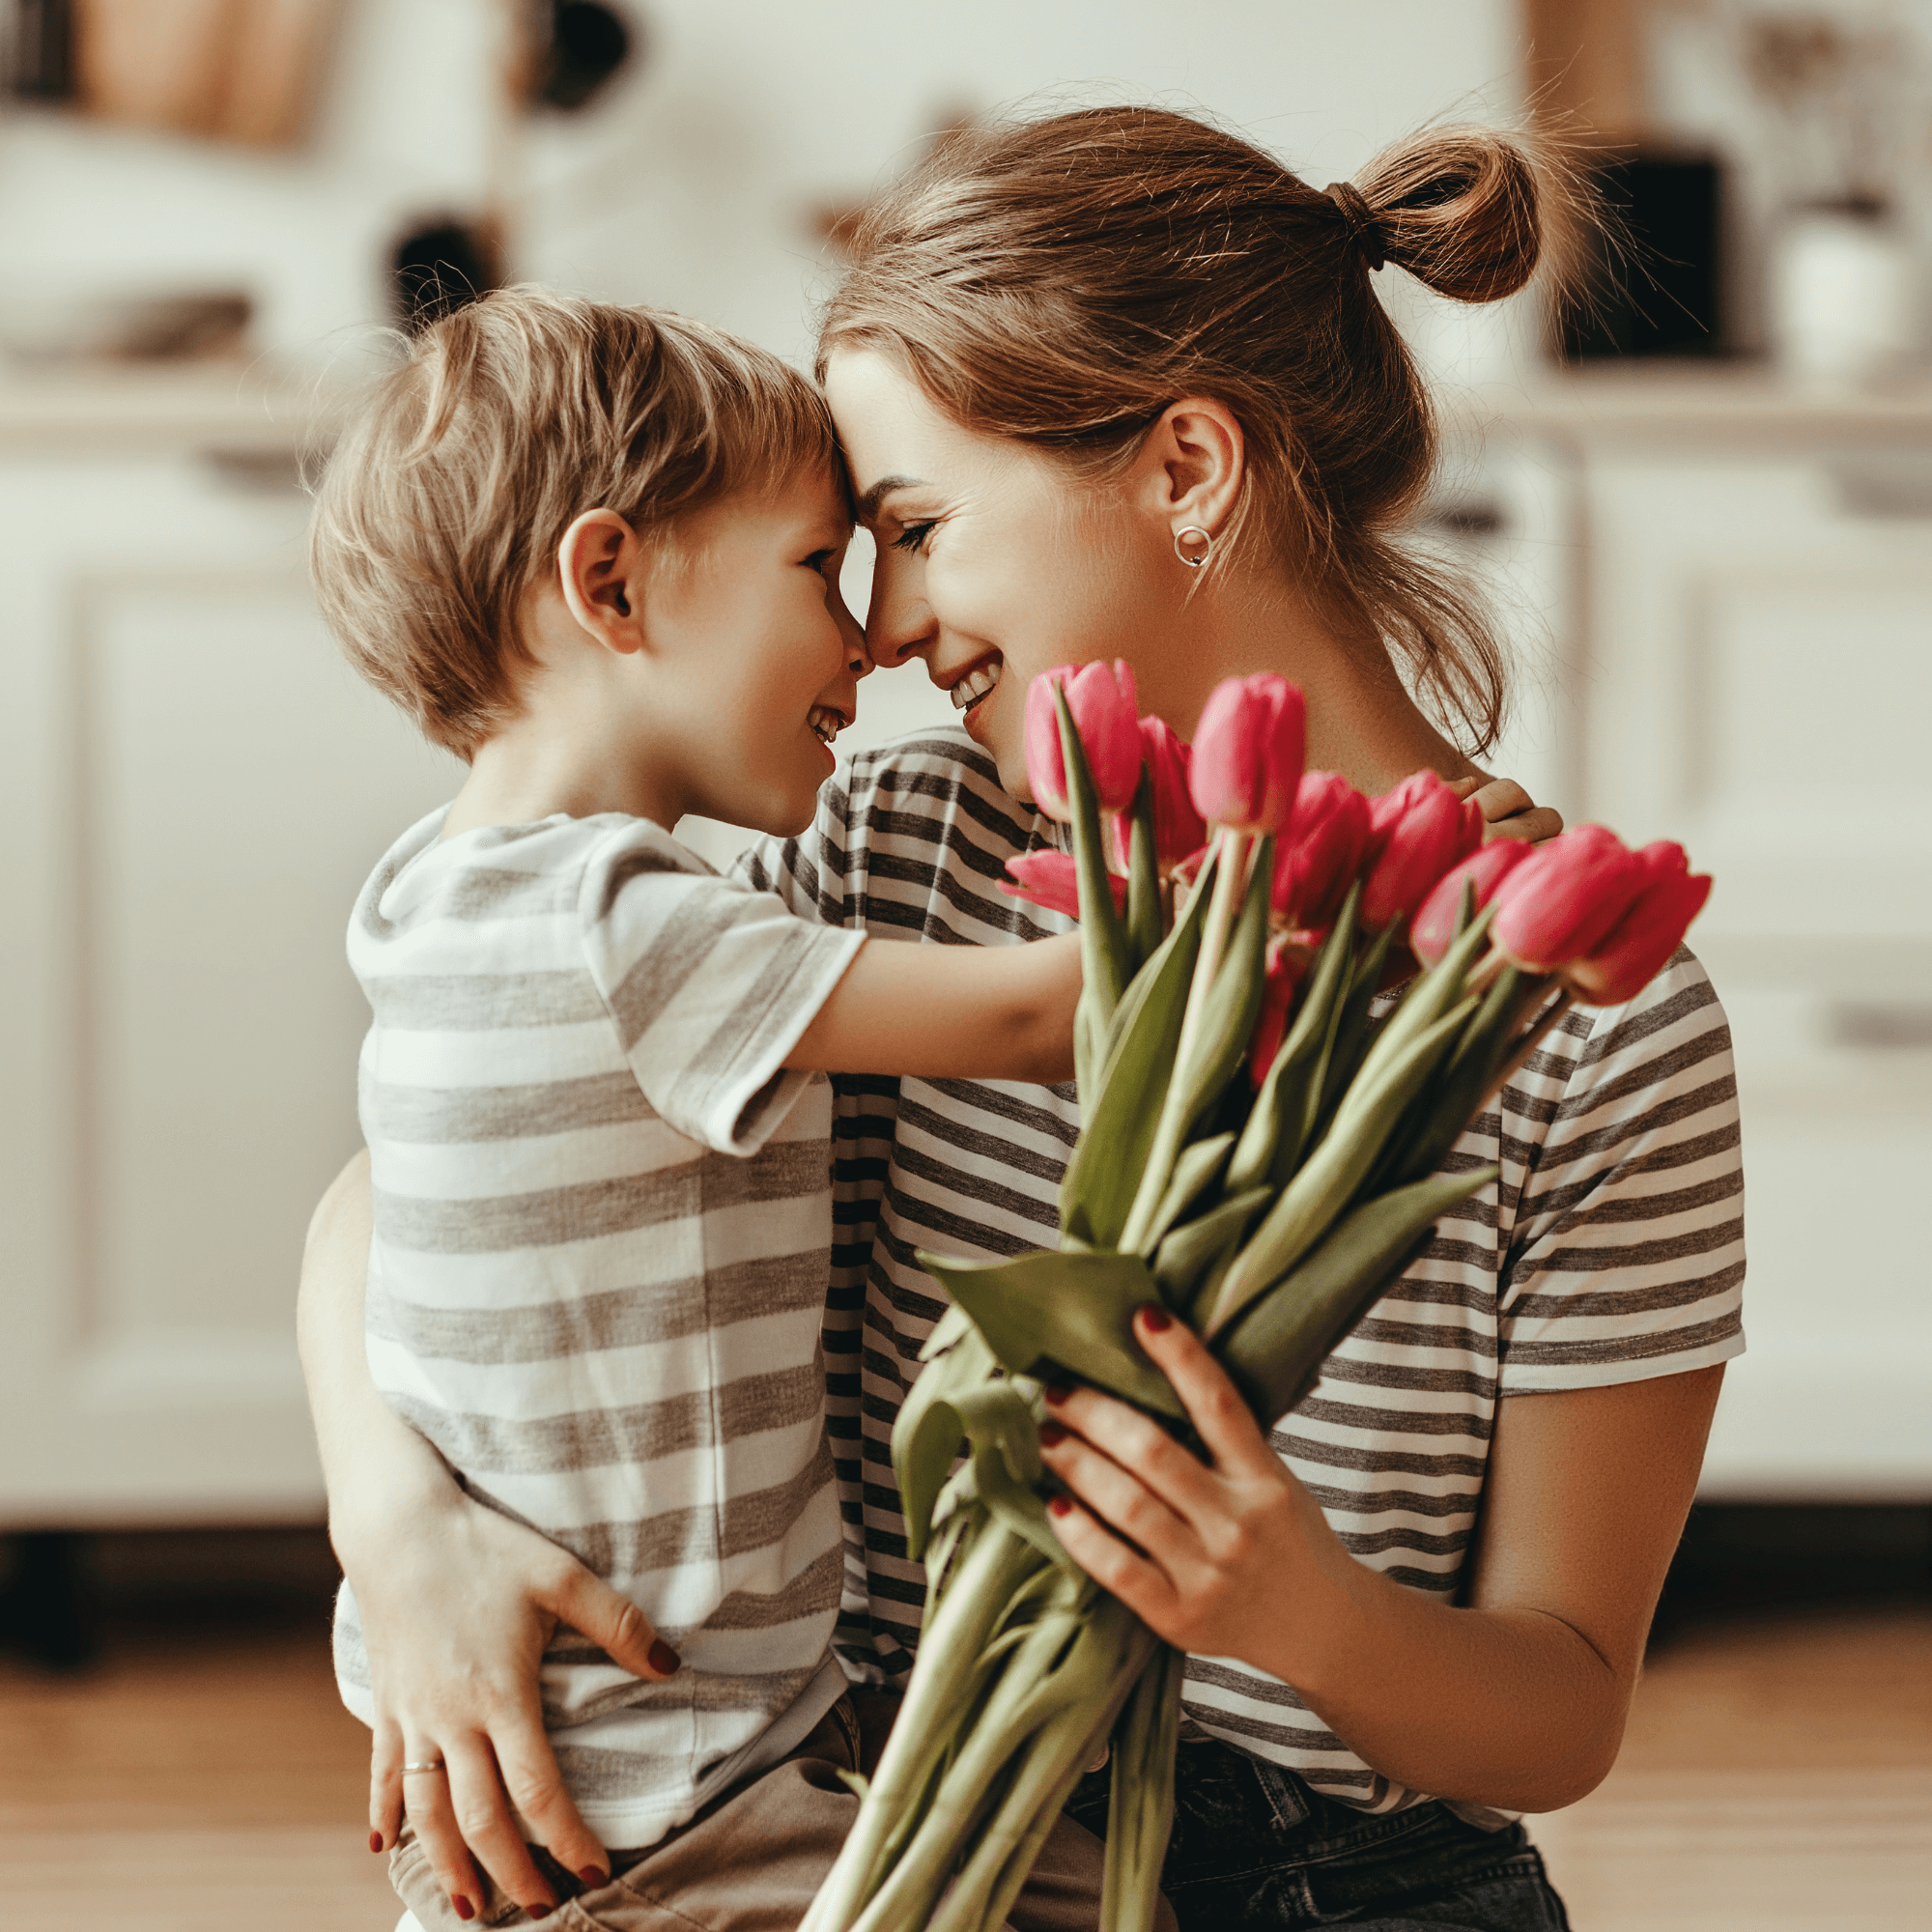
(1248,751)
(1287,968)
(1100,698)
(1434,925)
(1317,863)
(1051,879)
(1644,941)
(1417,831)
(1560,904)
(1178,828)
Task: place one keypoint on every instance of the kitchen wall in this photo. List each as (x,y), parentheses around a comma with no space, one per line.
(696,179)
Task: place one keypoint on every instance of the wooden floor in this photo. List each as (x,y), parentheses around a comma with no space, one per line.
(1778,1775)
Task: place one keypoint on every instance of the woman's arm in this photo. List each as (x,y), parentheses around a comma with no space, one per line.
(959,1012)
(457,1603)
(1517,1700)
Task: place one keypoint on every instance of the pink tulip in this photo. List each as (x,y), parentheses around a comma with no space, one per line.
(1434,926)
(1051,879)
(1286,967)
(1248,751)
(1178,828)
(1101,699)
(1317,864)
(1644,941)
(1416,832)
(1561,902)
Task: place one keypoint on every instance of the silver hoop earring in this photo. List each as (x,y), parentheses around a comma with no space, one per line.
(1194,562)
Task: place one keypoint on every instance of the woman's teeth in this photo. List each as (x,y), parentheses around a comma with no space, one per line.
(974,685)
(825,722)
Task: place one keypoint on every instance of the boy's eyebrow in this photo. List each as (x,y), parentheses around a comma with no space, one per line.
(868,503)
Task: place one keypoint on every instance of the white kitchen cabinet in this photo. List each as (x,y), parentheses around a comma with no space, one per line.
(1746,655)
(194,785)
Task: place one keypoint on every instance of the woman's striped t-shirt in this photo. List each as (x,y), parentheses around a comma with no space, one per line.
(1610,1249)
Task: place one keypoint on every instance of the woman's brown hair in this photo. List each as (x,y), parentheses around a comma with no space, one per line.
(1062,281)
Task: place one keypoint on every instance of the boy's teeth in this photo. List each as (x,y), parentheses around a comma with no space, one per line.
(825,723)
(974,685)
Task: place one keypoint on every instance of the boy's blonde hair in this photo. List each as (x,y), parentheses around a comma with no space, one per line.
(447,499)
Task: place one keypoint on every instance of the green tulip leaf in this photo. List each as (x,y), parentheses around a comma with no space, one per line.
(1051,1311)
(1194,1173)
(1103,940)
(1143,909)
(1370,1114)
(1270,1144)
(1275,1350)
(1118,1126)
(1184,1257)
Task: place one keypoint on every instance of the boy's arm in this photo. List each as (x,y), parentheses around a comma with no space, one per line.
(951,1013)
(457,1602)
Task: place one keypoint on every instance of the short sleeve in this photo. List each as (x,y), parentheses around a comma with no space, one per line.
(1626,1255)
(710,984)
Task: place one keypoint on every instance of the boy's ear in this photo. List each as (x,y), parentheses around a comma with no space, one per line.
(597,567)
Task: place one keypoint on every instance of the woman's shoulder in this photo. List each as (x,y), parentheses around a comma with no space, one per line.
(1673,1032)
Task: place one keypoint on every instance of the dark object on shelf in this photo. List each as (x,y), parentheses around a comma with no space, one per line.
(1657,289)
(580,45)
(40,49)
(46,1603)
(440,267)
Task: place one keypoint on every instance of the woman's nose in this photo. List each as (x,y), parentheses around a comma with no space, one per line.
(897,622)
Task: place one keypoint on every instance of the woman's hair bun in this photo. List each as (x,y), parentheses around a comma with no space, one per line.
(1463,210)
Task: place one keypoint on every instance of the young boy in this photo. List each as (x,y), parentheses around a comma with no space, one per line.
(595,551)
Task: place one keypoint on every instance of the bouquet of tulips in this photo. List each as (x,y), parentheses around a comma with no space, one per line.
(1260,1154)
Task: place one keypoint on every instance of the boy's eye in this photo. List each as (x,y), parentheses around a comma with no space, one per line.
(819,558)
(912,537)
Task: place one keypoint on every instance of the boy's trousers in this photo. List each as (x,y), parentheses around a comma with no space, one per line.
(753,1859)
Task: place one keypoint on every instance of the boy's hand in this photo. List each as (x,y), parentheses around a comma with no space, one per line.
(1508,810)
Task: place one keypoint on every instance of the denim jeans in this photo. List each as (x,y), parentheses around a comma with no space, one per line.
(1255,1848)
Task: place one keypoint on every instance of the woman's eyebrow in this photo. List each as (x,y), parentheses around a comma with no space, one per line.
(868,503)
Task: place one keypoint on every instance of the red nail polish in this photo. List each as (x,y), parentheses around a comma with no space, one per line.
(1060,1505)
(1155,1318)
(664,1659)
(1051,1435)
(375,1841)
(536,1912)
(594,1878)
(462,1907)
(1058,1394)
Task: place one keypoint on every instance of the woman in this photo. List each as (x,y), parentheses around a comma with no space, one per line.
(1117,383)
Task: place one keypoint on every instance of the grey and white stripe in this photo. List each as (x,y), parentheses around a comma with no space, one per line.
(597,1276)
(1609,1250)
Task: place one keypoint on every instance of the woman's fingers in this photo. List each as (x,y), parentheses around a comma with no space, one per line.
(426,1799)
(386,1784)
(1115,1493)
(614,1624)
(1224,1422)
(1141,1585)
(536,1788)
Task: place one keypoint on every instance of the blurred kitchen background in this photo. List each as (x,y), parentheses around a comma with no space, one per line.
(1704,495)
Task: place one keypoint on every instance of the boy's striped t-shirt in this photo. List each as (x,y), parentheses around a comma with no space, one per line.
(598,1272)
(1609,1250)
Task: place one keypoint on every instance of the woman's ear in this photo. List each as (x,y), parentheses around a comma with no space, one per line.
(1194,463)
(598,568)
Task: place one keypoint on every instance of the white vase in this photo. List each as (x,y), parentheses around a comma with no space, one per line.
(1843,306)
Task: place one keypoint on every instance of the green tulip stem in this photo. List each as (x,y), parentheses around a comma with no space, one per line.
(969,1611)
(1146,920)
(1230,884)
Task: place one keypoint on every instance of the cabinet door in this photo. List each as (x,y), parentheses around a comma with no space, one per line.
(196,784)
(1756,682)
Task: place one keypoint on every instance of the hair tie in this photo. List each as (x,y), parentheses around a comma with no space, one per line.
(1365,232)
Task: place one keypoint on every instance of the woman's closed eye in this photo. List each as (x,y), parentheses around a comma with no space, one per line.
(912,537)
